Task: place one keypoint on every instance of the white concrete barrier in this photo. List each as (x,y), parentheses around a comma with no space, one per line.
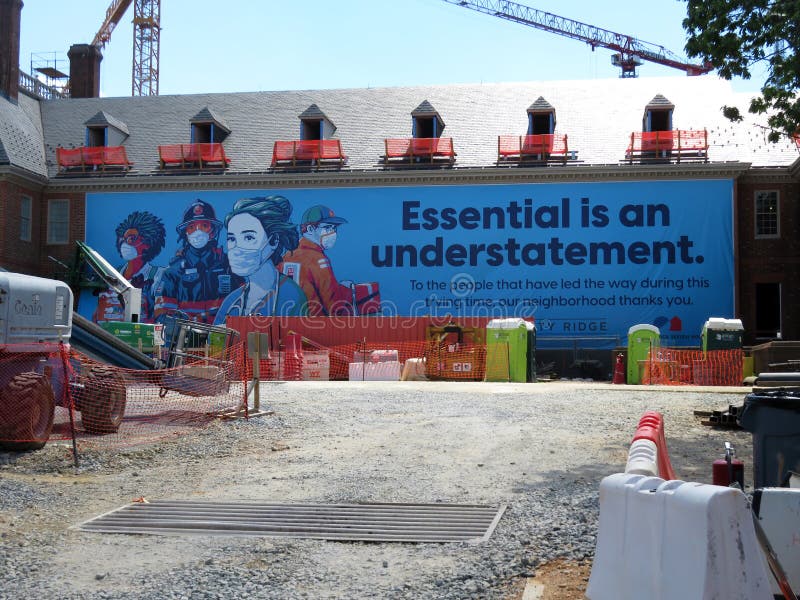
(673,540)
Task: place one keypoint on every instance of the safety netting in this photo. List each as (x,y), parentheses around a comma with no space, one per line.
(57,393)
(386,361)
(677,366)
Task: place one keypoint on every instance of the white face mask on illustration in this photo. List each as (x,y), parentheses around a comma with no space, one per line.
(198,239)
(127,251)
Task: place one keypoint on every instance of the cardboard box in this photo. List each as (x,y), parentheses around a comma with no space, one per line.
(377,371)
(315,366)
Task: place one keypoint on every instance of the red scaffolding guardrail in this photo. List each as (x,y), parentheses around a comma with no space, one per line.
(679,145)
(543,147)
(316,152)
(411,149)
(92,158)
(193,156)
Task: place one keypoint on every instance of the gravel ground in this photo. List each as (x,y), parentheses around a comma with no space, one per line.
(540,449)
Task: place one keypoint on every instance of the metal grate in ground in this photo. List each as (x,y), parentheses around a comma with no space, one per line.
(354,522)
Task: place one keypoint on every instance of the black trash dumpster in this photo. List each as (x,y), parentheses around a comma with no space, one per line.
(773,417)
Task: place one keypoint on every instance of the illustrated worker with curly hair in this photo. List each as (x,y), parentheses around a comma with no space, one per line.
(140,238)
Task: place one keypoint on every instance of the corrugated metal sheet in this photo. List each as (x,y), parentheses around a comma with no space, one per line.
(354,522)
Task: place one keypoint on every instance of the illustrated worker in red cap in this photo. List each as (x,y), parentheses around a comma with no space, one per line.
(311,268)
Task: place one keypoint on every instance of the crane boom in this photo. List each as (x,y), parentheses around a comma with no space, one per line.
(113,16)
(146,41)
(628,47)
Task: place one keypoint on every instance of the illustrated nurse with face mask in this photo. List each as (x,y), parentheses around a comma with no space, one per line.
(258,233)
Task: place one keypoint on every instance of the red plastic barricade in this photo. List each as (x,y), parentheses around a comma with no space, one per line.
(651,427)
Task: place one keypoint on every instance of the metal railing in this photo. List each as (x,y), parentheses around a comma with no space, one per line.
(35,87)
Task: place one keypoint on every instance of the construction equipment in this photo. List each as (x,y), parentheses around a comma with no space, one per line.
(630,52)
(35,326)
(199,358)
(130,296)
(146,41)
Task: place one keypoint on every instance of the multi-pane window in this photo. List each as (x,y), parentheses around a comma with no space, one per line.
(767,214)
(58,222)
(25,218)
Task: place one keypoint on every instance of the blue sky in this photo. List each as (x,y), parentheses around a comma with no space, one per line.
(208,46)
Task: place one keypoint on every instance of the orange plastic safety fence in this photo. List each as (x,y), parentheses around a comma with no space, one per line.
(674,366)
(47,394)
(376,361)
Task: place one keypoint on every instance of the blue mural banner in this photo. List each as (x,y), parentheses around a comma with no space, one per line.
(582,259)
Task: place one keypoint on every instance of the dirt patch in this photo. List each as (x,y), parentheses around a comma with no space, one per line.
(563,580)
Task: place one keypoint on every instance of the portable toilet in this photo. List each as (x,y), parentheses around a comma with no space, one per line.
(531,351)
(641,339)
(722,334)
(507,350)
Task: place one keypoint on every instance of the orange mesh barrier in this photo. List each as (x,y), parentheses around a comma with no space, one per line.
(673,366)
(92,156)
(307,150)
(193,155)
(212,153)
(543,146)
(411,148)
(69,158)
(388,361)
(682,144)
(115,156)
(60,395)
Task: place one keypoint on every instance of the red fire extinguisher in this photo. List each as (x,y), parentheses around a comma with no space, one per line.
(728,469)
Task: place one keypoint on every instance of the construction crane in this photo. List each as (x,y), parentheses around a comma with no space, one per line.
(630,52)
(146,41)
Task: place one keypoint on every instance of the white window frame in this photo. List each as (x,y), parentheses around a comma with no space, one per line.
(758,196)
(25,218)
(57,230)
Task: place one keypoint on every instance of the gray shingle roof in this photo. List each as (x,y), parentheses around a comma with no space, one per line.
(312,112)
(104,119)
(425,109)
(206,115)
(541,105)
(659,101)
(21,134)
(597,115)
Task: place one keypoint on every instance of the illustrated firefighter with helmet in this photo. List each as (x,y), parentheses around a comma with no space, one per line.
(198,276)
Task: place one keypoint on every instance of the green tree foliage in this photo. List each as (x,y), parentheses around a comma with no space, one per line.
(735,35)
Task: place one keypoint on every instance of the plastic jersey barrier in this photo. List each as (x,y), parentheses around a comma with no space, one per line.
(674,540)
(651,429)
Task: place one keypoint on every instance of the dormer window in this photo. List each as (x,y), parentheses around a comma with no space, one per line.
(315,125)
(96,136)
(658,114)
(104,130)
(208,128)
(541,117)
(426,122)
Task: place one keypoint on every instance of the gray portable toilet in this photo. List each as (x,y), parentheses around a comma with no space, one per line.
(641,339)
(722,334)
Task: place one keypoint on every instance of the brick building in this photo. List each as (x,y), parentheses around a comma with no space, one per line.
(64,161)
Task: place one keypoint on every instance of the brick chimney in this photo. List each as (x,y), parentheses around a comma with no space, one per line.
(84,70)
(10,11)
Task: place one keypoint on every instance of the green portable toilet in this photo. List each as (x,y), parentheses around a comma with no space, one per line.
(722,334)
(507,350)
(641,339)
(531,351)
